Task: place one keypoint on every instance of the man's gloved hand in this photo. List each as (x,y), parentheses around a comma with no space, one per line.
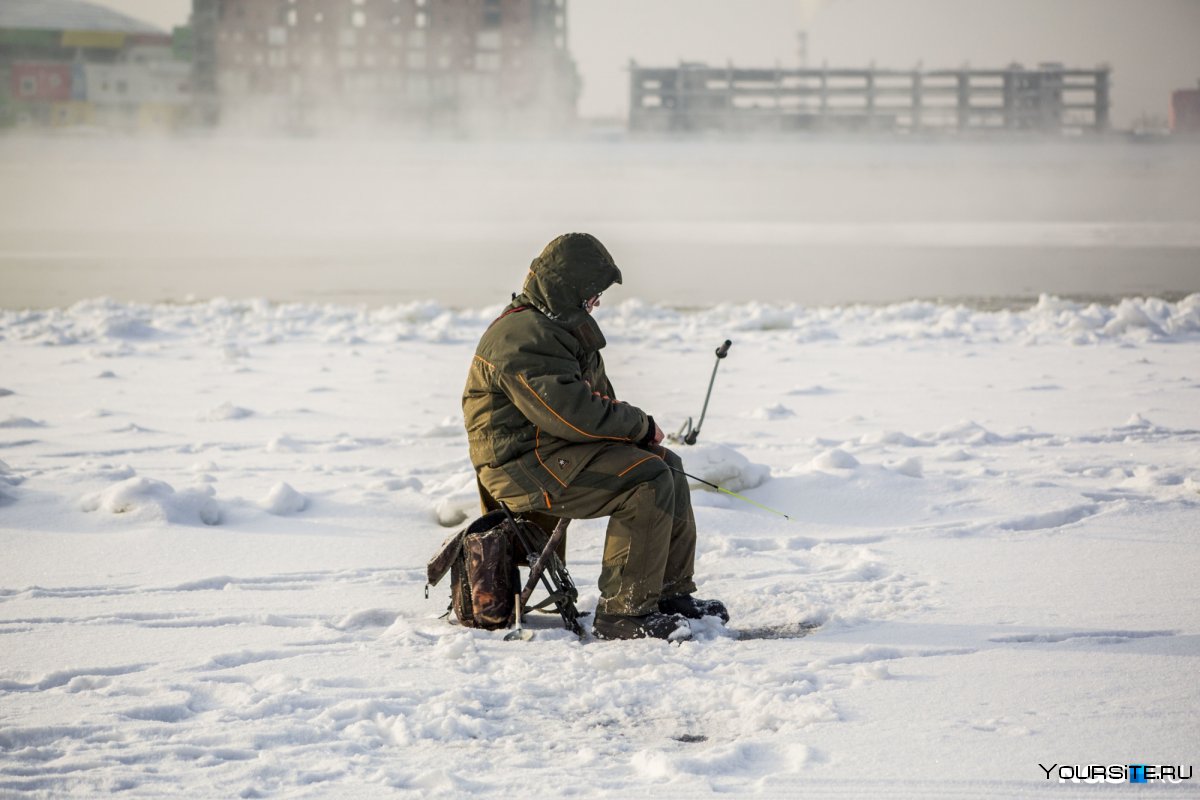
(654,434)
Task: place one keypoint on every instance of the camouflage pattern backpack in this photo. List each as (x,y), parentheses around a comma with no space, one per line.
(482,561)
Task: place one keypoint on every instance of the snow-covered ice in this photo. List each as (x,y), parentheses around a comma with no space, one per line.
(215,520)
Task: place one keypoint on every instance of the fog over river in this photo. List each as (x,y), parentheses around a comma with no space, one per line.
(378,221)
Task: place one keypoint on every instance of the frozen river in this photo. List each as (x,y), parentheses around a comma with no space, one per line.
(691,223)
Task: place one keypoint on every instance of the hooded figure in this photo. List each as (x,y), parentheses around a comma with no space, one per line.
(547,434)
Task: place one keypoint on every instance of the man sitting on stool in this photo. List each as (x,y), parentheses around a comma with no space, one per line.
(547,434)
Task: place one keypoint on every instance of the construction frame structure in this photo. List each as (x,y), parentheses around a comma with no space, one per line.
(1050,99)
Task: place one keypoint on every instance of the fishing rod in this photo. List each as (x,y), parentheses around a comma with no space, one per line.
(688,435)
(731,494)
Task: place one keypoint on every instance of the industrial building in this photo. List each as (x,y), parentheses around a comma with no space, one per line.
(1185,112)
(429,65)
(65,62)
(695,97)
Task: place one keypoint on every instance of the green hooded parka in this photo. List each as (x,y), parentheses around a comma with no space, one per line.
(537,404)
(548,435)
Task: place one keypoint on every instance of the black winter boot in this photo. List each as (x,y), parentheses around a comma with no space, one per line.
(653,625)
(693,608)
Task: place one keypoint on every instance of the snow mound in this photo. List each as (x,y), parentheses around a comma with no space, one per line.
(147,499)
(396,484)
(1136,420)
(777,411)
(897,438)
(7,478)
(968,432)
(283,500)
(103,470)
(810,391)
(226,411)
(255,322)
(367,618)
(124,327)
(910,467)
(724,466)
(835,459)
(457,499)
(285,444)
(20,422)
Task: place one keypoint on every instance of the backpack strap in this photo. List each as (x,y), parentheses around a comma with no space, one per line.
(440,564)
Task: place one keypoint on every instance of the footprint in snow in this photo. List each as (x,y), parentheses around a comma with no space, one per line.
(1051,519)
(1103,637)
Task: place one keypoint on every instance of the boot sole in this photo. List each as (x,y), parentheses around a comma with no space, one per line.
(614,633)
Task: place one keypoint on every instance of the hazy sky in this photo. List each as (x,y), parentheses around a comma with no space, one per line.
(1152,45)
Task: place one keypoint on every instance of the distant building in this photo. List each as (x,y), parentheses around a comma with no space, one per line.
(696,97)
(1185,112)
(448,65)
(65,62)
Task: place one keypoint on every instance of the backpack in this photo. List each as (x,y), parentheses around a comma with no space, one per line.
(483,560)
(484,579)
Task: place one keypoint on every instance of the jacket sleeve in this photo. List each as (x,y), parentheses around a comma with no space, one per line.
(544,382)
(603,384)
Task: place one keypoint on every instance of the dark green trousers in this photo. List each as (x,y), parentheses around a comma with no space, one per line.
(650,546)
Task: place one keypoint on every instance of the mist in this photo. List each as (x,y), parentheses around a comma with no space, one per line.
(341,208)
(378,220)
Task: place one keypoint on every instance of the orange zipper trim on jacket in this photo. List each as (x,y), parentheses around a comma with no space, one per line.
(564,422)
(634,464)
